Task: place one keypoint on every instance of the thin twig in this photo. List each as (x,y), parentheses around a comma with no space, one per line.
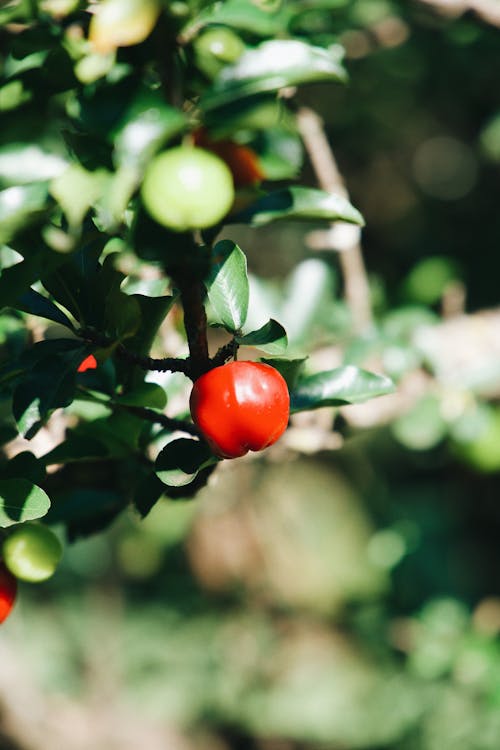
(150,415)
(343,237)
(224,353)
(165,364)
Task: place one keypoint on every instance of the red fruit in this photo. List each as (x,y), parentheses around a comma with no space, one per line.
(242,161)
(89,363)
(8,590)
(240,407)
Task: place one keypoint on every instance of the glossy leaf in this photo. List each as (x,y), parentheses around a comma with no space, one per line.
(227,285)
(291,369)
(22,163)
(20,206)
(299,204)
(238,14)
(344,385)
(21,500)
(271,66)
(271,338)
(147,124)
(181,460)
(34,303)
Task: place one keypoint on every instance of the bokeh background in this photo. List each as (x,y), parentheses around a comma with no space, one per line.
(340,592)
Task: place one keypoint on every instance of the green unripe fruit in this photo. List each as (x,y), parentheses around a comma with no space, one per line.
(216,48)
(32,552)
(187,188)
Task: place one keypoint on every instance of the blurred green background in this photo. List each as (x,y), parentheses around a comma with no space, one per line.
(348,598)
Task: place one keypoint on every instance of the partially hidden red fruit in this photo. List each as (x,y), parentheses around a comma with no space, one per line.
(242,161)
(8,591)
(89,363)
(240,407)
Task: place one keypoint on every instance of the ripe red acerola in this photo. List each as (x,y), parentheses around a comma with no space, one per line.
(8,590)
(242,161)
(240,407)
(89,363)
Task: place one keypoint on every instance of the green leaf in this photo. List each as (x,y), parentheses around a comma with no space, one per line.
(122,315)
(15,281)
(76,190)
(146,394)
(49,385)
(181,460)
(36,304)
(271,66)
(344,385)
(147,493)
(147,124)
(21,500)
(75,447)
(153,312)
(238,14)
(271,338)
(20,206)
(291,369)
(298,204)
(25,465)
(22,163)
(227,285)
(86,510)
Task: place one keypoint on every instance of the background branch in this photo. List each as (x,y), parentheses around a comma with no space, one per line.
(342,237)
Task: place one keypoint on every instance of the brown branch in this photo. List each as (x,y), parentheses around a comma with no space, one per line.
(343,237)
(195,323)
(166,364)
(224,353)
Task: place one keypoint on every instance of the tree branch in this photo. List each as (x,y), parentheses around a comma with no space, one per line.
(345,238)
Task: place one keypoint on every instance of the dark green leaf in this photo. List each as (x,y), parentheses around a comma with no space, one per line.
(146,394)
(24,465)
(49,385)
(271,338)
(16,280)
(122,314)
(181,460)
(147,493)
(20,500)
(299,204)
(35,304)
(290,368)
(87,510)
(153,312)
(271,66)
(344,385)
(75,447)
(227,285)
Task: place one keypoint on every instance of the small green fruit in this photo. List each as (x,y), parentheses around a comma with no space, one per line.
(216,48)
(32,552)
(187,188)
